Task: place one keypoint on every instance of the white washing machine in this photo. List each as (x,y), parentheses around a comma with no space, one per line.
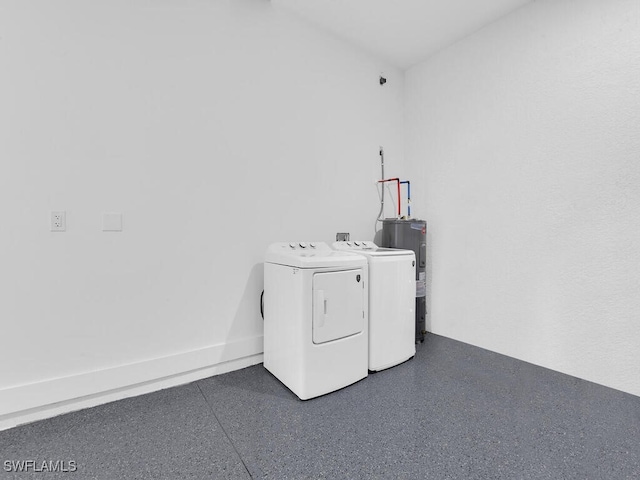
(315,317)
(392,301)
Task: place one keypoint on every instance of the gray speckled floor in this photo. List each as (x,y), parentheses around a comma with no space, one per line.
(454,411)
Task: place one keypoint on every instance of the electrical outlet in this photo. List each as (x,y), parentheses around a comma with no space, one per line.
(58,221)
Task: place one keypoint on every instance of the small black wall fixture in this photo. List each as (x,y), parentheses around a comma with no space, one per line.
(382,80)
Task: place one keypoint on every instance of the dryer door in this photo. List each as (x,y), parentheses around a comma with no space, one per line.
(338,304)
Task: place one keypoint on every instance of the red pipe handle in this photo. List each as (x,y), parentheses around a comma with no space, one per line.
(398,182)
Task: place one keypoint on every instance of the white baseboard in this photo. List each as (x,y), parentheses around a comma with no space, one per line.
(36,401)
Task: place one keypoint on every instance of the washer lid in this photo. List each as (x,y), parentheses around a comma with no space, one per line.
(311,255)
(369,249)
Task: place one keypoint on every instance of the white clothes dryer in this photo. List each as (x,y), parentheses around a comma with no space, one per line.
(392,292)
(315,317)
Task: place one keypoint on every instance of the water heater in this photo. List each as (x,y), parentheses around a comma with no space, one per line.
(411,235)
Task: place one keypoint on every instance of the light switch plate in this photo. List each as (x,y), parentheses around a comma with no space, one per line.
(111,222)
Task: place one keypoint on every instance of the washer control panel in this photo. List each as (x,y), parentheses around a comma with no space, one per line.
(354,245)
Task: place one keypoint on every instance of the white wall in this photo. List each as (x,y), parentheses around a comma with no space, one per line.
(523,142)
(215,128)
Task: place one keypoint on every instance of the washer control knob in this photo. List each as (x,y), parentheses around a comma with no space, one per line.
(349,243)
(312,245)
(303,245)
(357,244)
(292,245)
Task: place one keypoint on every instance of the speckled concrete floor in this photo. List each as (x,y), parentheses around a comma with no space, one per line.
(454,411)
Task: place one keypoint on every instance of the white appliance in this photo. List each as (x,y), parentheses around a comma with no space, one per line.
(315,317)
(392,300)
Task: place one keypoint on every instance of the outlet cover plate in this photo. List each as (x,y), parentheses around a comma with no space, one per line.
(111,222)
(58,221)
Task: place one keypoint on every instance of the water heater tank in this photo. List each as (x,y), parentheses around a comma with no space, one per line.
(411,235)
